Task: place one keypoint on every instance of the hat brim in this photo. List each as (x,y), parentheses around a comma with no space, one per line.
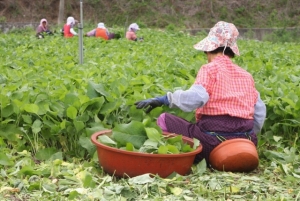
(210,43)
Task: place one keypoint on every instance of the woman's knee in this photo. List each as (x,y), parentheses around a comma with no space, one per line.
(161,122)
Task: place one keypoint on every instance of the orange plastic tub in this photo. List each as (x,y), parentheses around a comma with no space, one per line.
(235,155)
(122,163)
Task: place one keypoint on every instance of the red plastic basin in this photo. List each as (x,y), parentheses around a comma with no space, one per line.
(122,163)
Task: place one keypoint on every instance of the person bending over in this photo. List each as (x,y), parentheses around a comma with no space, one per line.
(42,29)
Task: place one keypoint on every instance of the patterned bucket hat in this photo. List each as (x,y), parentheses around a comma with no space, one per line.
(223,34)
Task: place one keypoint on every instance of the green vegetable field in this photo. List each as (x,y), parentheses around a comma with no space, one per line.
(50,105)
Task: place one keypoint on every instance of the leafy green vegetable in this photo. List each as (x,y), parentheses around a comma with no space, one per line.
(134,132)
(153,134)
(196,143)
(163,149)
(153,142)
(4,160)
(175,139)
(187,148)
(129,147)
(173,149)
(104,139)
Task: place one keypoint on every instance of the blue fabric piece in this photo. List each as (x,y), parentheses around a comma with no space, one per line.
(229,134)
(163,99)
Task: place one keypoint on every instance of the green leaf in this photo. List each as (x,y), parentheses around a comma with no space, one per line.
(71,112)
(10,131)
(2,79)
(91,92)
(134,128)
(86,143)
(4,160)
(108,107)
(274,155)
(153,134)
(150,143)
(34,186)
(129,147)
(43,107)
(99,88)
(93,105)
(57,155)
(285,168)
(28,170)
(49,188)
(187,148)
(123,138)
(200,167)
(57,107)
(71,99)
(141,179)
(147,122)
(36,126)
(134,132)
(137,114)
(45,154)
(95,128)
(62,124)
(86,178)
(73,195)
(41,98)
(277,138)
(104,139)
(176,191)
(196,143)
(79,125)
(27,119)
(173,140)
(88,181)
(7,111)
(32,108)
(173,149)
(162,149)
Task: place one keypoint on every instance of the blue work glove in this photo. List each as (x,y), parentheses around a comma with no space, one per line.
(152,103)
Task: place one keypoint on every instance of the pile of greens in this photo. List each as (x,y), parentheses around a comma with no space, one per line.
(136,136)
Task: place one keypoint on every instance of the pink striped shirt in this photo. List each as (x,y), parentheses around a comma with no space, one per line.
(231,89)
(130,35)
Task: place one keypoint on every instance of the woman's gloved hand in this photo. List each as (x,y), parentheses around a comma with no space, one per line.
(152,103)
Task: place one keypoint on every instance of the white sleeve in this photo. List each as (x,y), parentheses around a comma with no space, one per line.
(189,100)
(73,32)
(260,112)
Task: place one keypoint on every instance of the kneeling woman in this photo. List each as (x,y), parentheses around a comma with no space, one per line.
(223,95)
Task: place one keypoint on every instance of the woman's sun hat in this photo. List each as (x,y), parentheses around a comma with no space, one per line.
(134,26)
(223,34)
(71,20)
(101,25)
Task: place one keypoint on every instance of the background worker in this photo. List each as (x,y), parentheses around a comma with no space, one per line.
(101,32)
(68,29)
(42,28)
(131,32)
